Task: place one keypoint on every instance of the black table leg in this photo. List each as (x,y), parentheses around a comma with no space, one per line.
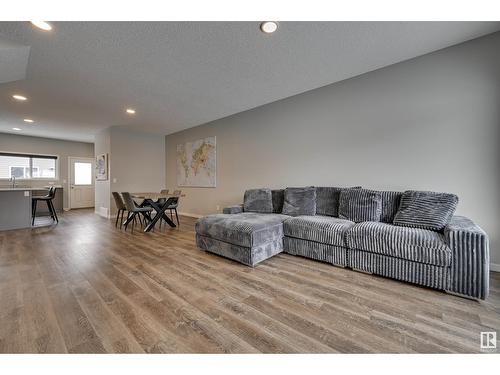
(160,213)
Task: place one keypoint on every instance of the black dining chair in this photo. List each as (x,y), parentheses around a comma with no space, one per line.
(120,205)
(134,210)
(172,207)
(48,199)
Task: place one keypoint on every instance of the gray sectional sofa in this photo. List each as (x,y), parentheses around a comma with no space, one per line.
(410,236)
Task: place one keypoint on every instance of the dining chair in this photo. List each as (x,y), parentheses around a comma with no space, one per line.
(134,210)
(48,199)
(120,205)
(172,207)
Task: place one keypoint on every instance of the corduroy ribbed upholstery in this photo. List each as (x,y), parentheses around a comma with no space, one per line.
(390,205)
(425,209)
(418,245)
(470,266)
(400,269)
(246,255)
(300,201)
(247,229)
(258,200)
(236,209)
(333,254)
(360,205)
(322,229)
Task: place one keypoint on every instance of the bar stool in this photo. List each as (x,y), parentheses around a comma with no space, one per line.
(48,199)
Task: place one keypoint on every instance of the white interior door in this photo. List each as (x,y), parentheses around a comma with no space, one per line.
(81,182)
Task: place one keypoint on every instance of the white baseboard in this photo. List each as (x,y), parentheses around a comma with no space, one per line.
(102,211)
(197,216)
(66,208)
(495,267)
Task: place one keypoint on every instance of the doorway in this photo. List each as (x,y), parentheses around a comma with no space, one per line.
(81,182)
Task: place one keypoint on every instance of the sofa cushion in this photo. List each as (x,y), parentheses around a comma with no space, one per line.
(278,197)
(390,205)
(415,244)
(324,229)
(300,201)
(247,229)
(327,200)
(360,205)
(425,209)
(258,200)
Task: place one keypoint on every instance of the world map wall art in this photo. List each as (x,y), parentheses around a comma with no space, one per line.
(196,163)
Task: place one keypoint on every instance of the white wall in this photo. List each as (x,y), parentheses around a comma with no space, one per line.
(430,123)
(37,145)
(136,161)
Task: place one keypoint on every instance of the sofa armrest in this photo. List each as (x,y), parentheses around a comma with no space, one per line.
(236,209)
(470,264)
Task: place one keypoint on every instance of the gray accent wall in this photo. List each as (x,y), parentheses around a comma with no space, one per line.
(430,123)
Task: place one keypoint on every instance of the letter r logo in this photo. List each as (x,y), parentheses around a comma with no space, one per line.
(488,340)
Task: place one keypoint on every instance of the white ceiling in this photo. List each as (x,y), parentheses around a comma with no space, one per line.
(82,75)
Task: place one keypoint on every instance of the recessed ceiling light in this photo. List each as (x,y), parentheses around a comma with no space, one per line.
(131,111)
(16,129)
(42,25)
(28,120)
(20,97)
(268,27)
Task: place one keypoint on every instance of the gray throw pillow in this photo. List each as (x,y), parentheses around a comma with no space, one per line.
(327,200)
(360,205)
(258,200)
(425,209)
(300,201)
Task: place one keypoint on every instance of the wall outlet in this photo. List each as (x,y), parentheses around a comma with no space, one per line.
(64,181)
(218,208)
(26,193)
(114,180)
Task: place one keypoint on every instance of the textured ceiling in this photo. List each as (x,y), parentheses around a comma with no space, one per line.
(82,75)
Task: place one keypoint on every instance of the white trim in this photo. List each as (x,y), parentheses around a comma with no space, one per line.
(495,267)
(103,212)
(66,209)
(197,216)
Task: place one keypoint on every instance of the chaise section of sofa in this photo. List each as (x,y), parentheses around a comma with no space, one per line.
(248,237)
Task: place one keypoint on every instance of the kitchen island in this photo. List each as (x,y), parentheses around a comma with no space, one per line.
(15,203)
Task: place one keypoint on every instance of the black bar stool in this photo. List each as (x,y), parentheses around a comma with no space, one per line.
(48,199)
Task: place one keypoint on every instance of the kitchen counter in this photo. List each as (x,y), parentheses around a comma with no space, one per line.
(16,205)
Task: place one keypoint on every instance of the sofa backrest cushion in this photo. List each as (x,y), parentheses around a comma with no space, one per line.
(360,205)
(300,201)
(327,200)
(426,209)
(278,197)
(390,205)
(258,200)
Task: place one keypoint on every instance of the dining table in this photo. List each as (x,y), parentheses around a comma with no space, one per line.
(160,203)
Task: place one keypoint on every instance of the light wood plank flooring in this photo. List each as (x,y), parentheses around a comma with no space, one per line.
(84,286)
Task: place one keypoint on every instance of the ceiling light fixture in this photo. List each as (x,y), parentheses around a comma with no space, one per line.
(268,27)
(16,129)
(131,111)
(28,120)
(20,97)
(42,25)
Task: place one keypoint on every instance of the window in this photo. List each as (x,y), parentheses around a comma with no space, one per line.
(23,166)
(83,173)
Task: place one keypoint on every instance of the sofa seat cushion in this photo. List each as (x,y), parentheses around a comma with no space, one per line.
(418,245)
(247,229)
(322,229)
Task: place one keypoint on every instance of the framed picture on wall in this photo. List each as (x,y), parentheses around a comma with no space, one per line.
(101,167)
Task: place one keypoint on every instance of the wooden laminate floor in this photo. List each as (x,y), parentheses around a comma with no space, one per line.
(84,286)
